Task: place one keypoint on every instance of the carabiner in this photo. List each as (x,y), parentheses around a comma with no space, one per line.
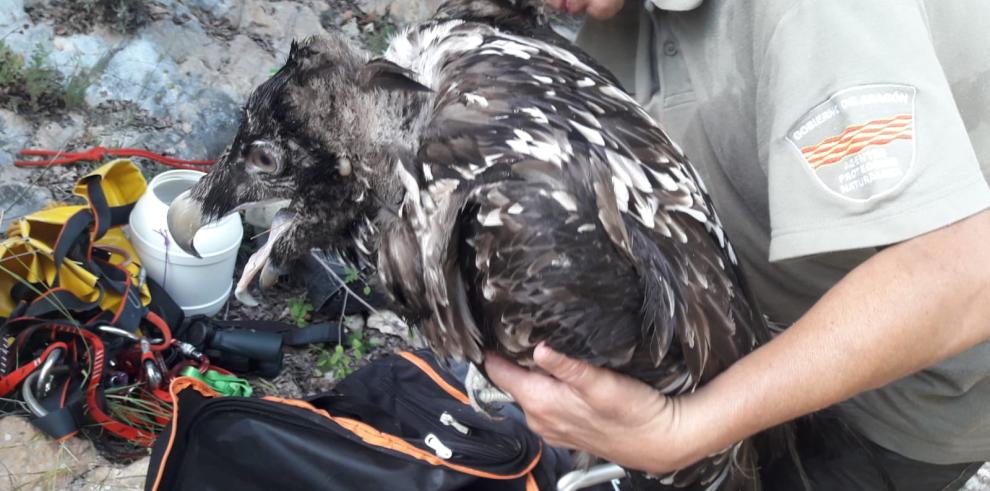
(44,375)
(151,372)
(116,331)
(29,400)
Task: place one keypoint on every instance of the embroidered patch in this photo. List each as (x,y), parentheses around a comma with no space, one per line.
(860,142)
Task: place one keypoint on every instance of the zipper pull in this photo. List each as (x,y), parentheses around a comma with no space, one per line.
(442,451)
(448,420)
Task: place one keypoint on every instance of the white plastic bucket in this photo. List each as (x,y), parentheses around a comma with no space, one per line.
(198,286)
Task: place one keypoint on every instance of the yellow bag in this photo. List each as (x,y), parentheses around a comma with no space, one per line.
(77,248)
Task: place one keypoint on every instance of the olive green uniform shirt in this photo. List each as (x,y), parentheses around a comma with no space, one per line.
(826,129)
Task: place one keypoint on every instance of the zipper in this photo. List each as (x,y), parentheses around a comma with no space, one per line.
(448,420)
(463,446)
(442,451)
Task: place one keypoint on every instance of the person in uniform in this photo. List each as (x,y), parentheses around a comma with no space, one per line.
(842,143)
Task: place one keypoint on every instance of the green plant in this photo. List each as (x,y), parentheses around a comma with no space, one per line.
(10,66)
(75,89)
(358,344)
(41,80)
(352,275)
(141,409)
(336,362)
(35,85)
(340,362)
(300,310)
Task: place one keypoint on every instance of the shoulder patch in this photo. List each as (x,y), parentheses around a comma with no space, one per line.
(859,143)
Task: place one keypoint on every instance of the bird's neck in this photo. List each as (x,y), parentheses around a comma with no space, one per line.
(388,134)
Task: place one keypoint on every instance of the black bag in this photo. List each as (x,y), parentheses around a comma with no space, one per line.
(400,423)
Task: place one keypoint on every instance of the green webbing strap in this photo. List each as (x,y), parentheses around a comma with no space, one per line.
(227,385)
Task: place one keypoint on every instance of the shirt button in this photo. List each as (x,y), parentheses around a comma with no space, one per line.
(670,48)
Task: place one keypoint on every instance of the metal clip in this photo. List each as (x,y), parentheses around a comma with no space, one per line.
(596,475)
(116,331)
(29,400)
(45,376)
(151,372)
(187,349)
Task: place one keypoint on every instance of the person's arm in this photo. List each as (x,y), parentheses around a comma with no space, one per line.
(599,9)
(908,307)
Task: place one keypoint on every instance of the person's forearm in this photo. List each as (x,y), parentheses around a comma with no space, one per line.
(906,308)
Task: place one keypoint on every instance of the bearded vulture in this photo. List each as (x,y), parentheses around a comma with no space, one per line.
(509,192)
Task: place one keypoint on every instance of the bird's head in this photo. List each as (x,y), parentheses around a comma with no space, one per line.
(310,135)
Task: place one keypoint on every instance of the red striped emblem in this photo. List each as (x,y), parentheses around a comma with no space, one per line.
(856,138)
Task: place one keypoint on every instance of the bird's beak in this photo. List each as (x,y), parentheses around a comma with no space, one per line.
(185,218)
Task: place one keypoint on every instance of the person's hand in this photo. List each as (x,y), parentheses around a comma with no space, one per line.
(602,412)
(599,9)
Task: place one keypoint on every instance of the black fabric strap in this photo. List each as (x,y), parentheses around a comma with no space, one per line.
(292,335)
(324,332)
(62,419)
(69,236)
(24,292)
(163,305)
(120,215)
(58,301)
(98,203)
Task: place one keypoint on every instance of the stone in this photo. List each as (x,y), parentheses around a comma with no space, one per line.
(15,132)
(217,8)
(74,54)
(213,116)
(183,42)
(18,199)
(280,23)
(354,323)
(351,29)
(27,40)
(31,460)
(251,66)
(138,73)
(115,478)
(401,11)
(11,13)
(387,322)
(57,135)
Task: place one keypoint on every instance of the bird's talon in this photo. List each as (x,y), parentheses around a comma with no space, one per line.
(484,397)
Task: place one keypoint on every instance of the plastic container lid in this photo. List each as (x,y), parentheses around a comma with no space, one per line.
(148,221)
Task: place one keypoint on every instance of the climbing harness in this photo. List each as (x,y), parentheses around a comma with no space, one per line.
(84,335)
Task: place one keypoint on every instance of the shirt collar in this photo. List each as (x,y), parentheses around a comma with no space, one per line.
(675,5)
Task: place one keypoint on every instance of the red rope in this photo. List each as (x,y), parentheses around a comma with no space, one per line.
(99,153)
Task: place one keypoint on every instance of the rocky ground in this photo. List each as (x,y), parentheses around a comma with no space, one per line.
(168,76)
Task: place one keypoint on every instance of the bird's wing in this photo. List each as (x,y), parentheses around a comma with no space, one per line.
(510,109)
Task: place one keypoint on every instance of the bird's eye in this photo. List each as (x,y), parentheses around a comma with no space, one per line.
(261,160)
